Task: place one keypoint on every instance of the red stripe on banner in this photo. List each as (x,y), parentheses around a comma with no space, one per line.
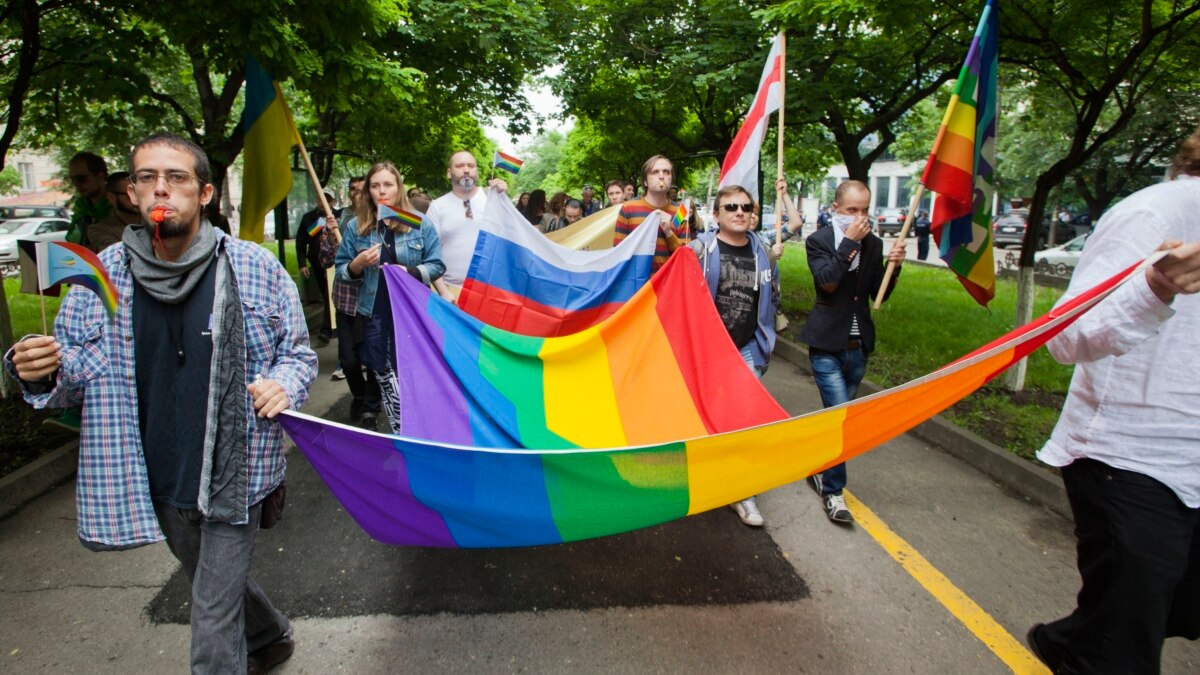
(951,182)
(515,313)
(725,392)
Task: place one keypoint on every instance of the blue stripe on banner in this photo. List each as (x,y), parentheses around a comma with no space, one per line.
(511,267)
(480,510)
(491,414)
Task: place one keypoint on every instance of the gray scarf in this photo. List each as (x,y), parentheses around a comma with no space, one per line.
(169,282)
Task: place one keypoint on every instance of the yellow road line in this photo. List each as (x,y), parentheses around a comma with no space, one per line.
(1000,641)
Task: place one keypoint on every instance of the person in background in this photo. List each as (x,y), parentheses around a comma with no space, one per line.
(522,203)
(630,192)
(615,191)
(367,244)
(536,209)
(555,212)
(589,202)
(308,256)
(921,225)
(124,213)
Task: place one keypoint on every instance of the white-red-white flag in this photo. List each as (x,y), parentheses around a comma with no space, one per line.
(741,162)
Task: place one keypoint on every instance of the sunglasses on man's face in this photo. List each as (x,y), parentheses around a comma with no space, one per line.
(732,208)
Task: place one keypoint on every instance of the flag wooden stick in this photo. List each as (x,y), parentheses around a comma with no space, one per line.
(779,133)
(908,219)
(42,302)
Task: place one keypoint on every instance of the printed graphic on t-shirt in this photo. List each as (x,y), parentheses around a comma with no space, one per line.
(737,301)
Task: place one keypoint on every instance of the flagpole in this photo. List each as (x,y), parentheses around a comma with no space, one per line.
(779,133)
(891,266)
(42,302)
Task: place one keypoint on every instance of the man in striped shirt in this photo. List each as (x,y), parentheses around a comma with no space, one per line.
(657,174)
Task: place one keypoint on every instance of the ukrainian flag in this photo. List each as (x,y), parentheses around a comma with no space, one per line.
(269,135)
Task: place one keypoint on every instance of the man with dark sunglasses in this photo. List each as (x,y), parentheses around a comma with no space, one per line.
(846,262)
(743,280)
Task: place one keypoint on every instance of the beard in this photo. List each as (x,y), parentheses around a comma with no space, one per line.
(172,228)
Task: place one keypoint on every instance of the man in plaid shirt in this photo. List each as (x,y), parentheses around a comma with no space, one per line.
(204,323)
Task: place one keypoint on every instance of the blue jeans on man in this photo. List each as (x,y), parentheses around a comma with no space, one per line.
(838,375)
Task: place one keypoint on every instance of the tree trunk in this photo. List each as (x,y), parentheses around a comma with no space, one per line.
(29,15)
(1014,378)
(8,386)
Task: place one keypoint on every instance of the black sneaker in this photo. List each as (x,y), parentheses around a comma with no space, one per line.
(1040,649)
(836,509)
(816,483)
(369,421)
(263,659)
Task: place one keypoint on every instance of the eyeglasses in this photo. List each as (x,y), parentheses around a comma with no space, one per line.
(147,178)
(467,208)
(732,208)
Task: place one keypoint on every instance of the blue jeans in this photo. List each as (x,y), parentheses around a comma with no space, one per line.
(838,375)
(231,615)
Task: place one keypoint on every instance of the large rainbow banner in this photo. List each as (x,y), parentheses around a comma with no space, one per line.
(522,282)
(660,368)
(403,490)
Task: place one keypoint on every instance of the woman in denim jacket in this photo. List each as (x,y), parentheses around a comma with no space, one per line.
(367,245)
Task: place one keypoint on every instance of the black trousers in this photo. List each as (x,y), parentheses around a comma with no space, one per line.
(1138,549)
(363,385)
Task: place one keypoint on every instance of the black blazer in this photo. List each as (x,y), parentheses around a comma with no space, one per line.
(828,325)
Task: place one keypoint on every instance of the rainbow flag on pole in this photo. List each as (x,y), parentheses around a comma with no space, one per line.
(506,162)
(409,218)
(61,262)
(266,153)
(317,226)
(962,166)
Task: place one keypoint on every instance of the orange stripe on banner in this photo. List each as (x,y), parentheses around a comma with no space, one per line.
(664,412)
(872,422)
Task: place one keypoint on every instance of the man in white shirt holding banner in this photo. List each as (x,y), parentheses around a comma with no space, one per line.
(1128,440)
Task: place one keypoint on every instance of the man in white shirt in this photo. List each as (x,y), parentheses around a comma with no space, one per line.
(1128,440)
(456,214)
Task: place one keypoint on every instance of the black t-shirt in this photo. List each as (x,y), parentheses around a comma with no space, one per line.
(172,347)
(737,301)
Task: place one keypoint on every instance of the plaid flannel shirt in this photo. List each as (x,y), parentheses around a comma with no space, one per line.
(345,296)
(97,371)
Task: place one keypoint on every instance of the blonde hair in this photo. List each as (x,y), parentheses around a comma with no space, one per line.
(366,208)
(1187,161)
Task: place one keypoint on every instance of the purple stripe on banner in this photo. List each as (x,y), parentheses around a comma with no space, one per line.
(426,381)
(371,482)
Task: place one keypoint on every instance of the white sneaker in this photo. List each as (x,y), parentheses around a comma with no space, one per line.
(338,375)
(747,510)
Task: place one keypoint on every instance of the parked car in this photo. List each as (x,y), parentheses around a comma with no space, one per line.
(889,221)
(38,229)
(1060,260)
(1009,229)
(10,211)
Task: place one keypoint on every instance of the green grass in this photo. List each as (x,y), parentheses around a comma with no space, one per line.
(930,321)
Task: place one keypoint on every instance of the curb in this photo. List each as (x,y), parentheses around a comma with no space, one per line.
(1010,471)
(35,478)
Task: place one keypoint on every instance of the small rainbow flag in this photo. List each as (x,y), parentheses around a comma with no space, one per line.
(61,262)
(681,216)
(316,226)
(409,218)
(506,162)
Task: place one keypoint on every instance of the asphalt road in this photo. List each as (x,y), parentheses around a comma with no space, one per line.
(701,594)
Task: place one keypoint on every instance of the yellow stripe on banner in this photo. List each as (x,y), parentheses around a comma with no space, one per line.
(727,467)
(575,377)
(992,634)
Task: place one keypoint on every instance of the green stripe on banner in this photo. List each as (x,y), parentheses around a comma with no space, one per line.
(594,494)
(511,363)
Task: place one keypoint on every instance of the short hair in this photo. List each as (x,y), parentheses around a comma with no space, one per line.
(573,203)
(450,161)
(114,179)
(357,179)
(618,183)
(413,191)
(729,190)
(1187,160)
(650,165)
(846,186)
(199,159)
(95,163)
